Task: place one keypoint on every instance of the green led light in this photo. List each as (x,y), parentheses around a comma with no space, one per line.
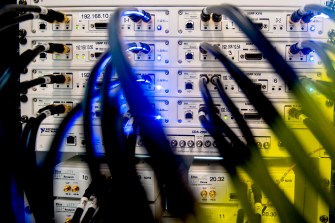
(83,56)
(225,117)
(77,56)
(77,27)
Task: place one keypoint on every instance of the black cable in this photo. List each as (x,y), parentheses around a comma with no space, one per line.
(167,165)
(121,160)
(282,68)
(46,79)
(320,50)
(235,112)
(16,20)
(91,210)
(87,102)
(12,73)
(272,118)
(228,163)
(13,9)
(258,202)
(82,204)
(323,87)
(29,176)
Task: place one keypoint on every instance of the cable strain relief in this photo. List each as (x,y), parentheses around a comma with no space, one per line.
(57,16)
(146,16)
(44,10)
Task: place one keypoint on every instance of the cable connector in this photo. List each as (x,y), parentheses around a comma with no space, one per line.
(54,16)
(295,113)
(137,47)
(136,16)
(297,47)
(58,48)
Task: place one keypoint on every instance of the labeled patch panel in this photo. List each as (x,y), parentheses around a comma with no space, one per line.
(245,54)
(266,80)
(84,53)
(186,107)
(94,21)
(154,82)
(31,107)
(72,177)
(212,185)
(196,140)
(272,21)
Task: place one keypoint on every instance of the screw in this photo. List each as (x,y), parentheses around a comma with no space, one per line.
(179,102)
(167,72)
(23,98)
(180,31)
(166,42)
(179,61)
(167,12)
(180,12)
(167,31)
(33,31)
(33,42)
(180,73)
(166,61)
(34,71)
(167,102)
(180,42)
(34,99)
(320,32)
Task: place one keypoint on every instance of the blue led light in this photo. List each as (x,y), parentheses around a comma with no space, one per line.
(159,58)
(311,58)
(159,27)
(312,28)
(158,117)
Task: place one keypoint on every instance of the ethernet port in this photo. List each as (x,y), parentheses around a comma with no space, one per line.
(43,56)
(43,26)
(189,56)
(189,115)
(71,140)
(189,25)
(189,86)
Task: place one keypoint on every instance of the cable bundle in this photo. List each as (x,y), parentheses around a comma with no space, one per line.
(110,198)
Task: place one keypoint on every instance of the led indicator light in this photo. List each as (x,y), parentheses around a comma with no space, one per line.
(225,117)
(159,27)
(83,56)
(311,58)
(77,27)
(158,87)
(159,57)
(77,56)
(312,28)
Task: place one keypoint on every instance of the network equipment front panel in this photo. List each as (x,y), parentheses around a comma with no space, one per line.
(169,63)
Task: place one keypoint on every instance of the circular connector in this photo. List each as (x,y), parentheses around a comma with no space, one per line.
(216,17)
(67,188)
(205,16)
(295,16)
(294,49)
